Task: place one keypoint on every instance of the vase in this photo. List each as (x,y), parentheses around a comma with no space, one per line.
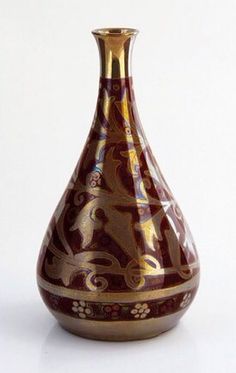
(118,261)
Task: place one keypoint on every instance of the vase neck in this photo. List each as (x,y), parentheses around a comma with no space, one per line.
(115,48)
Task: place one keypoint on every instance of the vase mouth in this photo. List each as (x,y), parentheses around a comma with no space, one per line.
(115,31)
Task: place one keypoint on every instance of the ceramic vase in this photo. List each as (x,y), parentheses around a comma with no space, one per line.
(118,261)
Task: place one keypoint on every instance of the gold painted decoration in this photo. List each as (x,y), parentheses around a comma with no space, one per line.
(111,206)
(65,267)
(118,246)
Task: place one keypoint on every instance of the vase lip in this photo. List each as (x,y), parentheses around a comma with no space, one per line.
(115,31)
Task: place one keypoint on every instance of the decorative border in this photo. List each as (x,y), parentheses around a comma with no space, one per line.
(115,296)
(113,311)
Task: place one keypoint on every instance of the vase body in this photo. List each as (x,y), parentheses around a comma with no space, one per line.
(118,261)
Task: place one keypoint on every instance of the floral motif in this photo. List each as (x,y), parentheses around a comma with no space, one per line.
(94,179)
(112,310)
(101,310)
(82,309)
(186,300)
(140,310)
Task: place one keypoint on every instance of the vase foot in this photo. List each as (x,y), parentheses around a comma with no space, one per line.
(118,330)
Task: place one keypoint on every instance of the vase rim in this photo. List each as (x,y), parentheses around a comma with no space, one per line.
(115,31)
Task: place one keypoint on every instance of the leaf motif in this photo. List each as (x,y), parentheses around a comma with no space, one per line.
(105,104)
(60,269)
(124,106)
(86,222)
(110,173)
(133,162)
(149,265)
(120,228)
(175,253)
(65,267)
(148,231)
(150,228)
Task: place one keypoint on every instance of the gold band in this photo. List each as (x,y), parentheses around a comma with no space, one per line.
(124,297)
(118,330)
(114,48)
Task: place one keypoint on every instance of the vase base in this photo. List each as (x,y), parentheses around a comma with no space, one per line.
(118,330)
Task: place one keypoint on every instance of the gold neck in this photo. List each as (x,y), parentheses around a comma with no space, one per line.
(115,47)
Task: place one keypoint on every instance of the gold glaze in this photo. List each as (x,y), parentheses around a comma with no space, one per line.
(132,217)
(118,297)
(118,330)
(119,224)
(115,47)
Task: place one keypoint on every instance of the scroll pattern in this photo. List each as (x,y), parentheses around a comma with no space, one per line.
(117,190)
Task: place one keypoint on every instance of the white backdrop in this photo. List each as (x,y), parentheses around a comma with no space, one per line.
(185,83)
